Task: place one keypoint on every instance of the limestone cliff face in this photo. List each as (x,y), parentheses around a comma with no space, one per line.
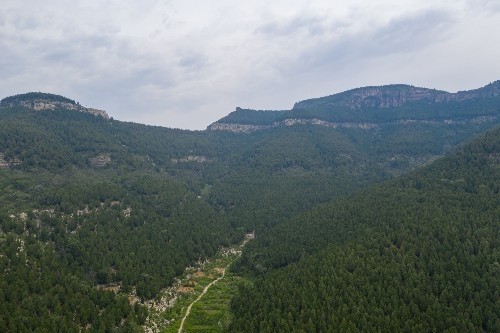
(237,128)
(397,95)
(240,128)
(41,102)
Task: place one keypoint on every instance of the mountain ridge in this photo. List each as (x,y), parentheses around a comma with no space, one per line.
(95,211)
(336,110)
(354,109)
(398,94)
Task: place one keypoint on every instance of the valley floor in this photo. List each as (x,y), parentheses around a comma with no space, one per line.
(199,300)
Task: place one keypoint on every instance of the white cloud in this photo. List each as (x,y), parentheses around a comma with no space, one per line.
(187,63)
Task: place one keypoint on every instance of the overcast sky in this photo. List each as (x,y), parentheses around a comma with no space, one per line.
(187,63)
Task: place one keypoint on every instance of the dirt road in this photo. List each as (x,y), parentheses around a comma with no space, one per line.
(197,299)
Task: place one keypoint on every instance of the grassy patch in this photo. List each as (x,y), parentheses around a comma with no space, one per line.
(212,312)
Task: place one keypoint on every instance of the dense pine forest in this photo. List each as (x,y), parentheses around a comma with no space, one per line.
(97,216)
(415,254)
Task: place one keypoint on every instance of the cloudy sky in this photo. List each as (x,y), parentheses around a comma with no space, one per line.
(187,63)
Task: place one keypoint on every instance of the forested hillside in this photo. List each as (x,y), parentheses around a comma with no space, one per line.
(312,164)
(133,232)
(420,253)
(87,221)
(96,212)
(328,147)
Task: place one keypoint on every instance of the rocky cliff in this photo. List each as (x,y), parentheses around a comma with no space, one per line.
(397,95)
(44,101)
(242,128)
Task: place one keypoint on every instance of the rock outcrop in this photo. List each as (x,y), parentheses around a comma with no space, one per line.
(190,158)
(3,162)
(43,101)
(7,164)
(241,128)
(100,160)
(237,128)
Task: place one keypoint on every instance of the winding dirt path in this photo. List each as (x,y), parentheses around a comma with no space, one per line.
(199,297)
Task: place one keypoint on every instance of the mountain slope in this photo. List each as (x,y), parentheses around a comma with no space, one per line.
(336,149)
(343,146)
(87,222)
(418,253)
(99,204)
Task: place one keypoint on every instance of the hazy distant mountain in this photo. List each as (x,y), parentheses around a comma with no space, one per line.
(373,107)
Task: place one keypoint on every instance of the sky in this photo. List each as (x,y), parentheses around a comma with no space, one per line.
(185,64)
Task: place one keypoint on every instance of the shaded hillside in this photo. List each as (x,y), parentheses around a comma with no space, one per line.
(289,169)
(418,253)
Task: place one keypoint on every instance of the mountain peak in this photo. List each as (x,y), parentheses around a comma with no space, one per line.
(375,96)
(45,101)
